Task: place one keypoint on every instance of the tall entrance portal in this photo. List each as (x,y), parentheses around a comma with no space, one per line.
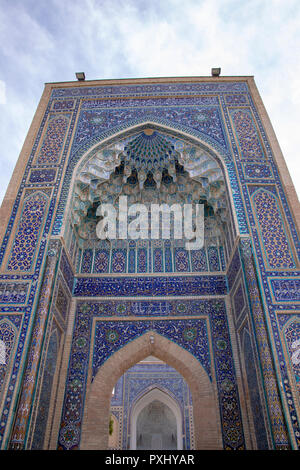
(149,283)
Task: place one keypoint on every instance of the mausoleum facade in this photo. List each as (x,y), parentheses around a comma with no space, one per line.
(175,346)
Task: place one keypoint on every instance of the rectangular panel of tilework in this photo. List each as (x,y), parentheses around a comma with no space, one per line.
(13,292)
(153,286)
(285,289)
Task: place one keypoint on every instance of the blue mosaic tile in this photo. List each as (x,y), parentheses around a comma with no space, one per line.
(257,171)
(191,334)
(13,293)
(286,290)
(225,119)
(42,176)
(152,286)
(184,333)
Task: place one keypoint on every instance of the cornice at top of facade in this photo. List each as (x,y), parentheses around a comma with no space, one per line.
(114,87)
(147,80)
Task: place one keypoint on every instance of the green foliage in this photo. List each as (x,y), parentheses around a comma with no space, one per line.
(111,426)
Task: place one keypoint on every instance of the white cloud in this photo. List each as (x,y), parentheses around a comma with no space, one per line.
(50,41)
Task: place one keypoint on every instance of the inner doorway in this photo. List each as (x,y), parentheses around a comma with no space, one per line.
(156,427)
(201,424)
(156,422)
(151,408)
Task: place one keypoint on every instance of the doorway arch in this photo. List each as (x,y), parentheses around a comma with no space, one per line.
(144,402)
(204,393)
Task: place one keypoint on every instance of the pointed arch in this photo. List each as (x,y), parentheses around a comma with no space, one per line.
(153,386)
(216,152)
(143,401)
(205,403)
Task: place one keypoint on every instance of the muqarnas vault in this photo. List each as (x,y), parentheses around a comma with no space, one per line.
(141,343)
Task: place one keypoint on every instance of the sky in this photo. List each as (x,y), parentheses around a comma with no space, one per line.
(50,40)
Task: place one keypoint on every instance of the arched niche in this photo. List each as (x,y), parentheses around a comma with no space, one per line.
(107,171)
(156,397)
(204,394)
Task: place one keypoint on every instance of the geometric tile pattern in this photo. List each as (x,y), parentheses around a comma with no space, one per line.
(49,371)
(152,286)
(190,334)
(53,141)
(292,337)
(13,292)
(139,380)
(247,135)
(28,231)
(286,289)
(164,259)
(223,116)
(276,415)
(273,234)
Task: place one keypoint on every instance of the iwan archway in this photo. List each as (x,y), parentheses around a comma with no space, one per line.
(149,164)
(207,427)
